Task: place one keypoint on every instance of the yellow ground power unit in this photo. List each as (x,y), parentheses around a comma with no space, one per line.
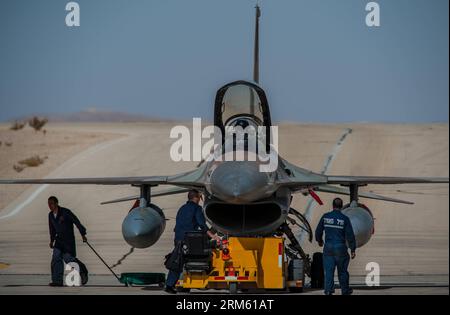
(239,263)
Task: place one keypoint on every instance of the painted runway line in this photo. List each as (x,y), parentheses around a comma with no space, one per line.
(69,164)
(327,165)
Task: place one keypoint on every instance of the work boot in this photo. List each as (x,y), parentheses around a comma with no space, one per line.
(170,290)
(55,284)
(349,292)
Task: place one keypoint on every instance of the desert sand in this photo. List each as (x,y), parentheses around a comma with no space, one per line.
(410,242)
(57,146)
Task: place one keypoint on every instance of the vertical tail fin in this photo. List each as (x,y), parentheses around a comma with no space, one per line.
(256,48)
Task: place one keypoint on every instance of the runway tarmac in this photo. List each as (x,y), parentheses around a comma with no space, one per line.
(107,284)
(410,243)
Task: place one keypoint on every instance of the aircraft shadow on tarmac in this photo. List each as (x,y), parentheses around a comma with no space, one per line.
(156,288)
(223,291)
(84,286)
(281,292)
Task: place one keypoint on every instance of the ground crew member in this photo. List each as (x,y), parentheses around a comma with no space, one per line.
(62,238)
(338,233)
(189,218)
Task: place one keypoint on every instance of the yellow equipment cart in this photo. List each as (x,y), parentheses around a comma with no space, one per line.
(244,263)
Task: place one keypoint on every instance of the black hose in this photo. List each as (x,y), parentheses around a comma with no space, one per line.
(95,252)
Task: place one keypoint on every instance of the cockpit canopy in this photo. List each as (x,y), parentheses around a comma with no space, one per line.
(241,103)
(241,100)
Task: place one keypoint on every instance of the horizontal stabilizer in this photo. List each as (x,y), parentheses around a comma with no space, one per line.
(368,195)
(166,192)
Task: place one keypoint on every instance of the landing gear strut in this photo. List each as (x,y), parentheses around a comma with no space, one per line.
(296,247)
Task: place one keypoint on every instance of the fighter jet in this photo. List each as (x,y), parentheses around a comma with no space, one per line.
(240,199)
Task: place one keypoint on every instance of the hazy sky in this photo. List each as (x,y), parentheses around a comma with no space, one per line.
(166,58)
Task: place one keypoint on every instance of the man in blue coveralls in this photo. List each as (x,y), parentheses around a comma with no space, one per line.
(190,218)
(338,233)
(62,238)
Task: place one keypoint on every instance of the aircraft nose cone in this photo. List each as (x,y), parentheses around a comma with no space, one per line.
(239,182)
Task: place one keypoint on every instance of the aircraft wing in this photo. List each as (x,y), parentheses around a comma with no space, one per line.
(192,179)
(299,179)
(148,180)
(317,180)
(364,180)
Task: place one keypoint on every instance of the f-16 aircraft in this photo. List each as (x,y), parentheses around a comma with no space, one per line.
(240,200)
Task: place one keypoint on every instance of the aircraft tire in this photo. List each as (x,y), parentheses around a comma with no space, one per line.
(233,288)
(317,275)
